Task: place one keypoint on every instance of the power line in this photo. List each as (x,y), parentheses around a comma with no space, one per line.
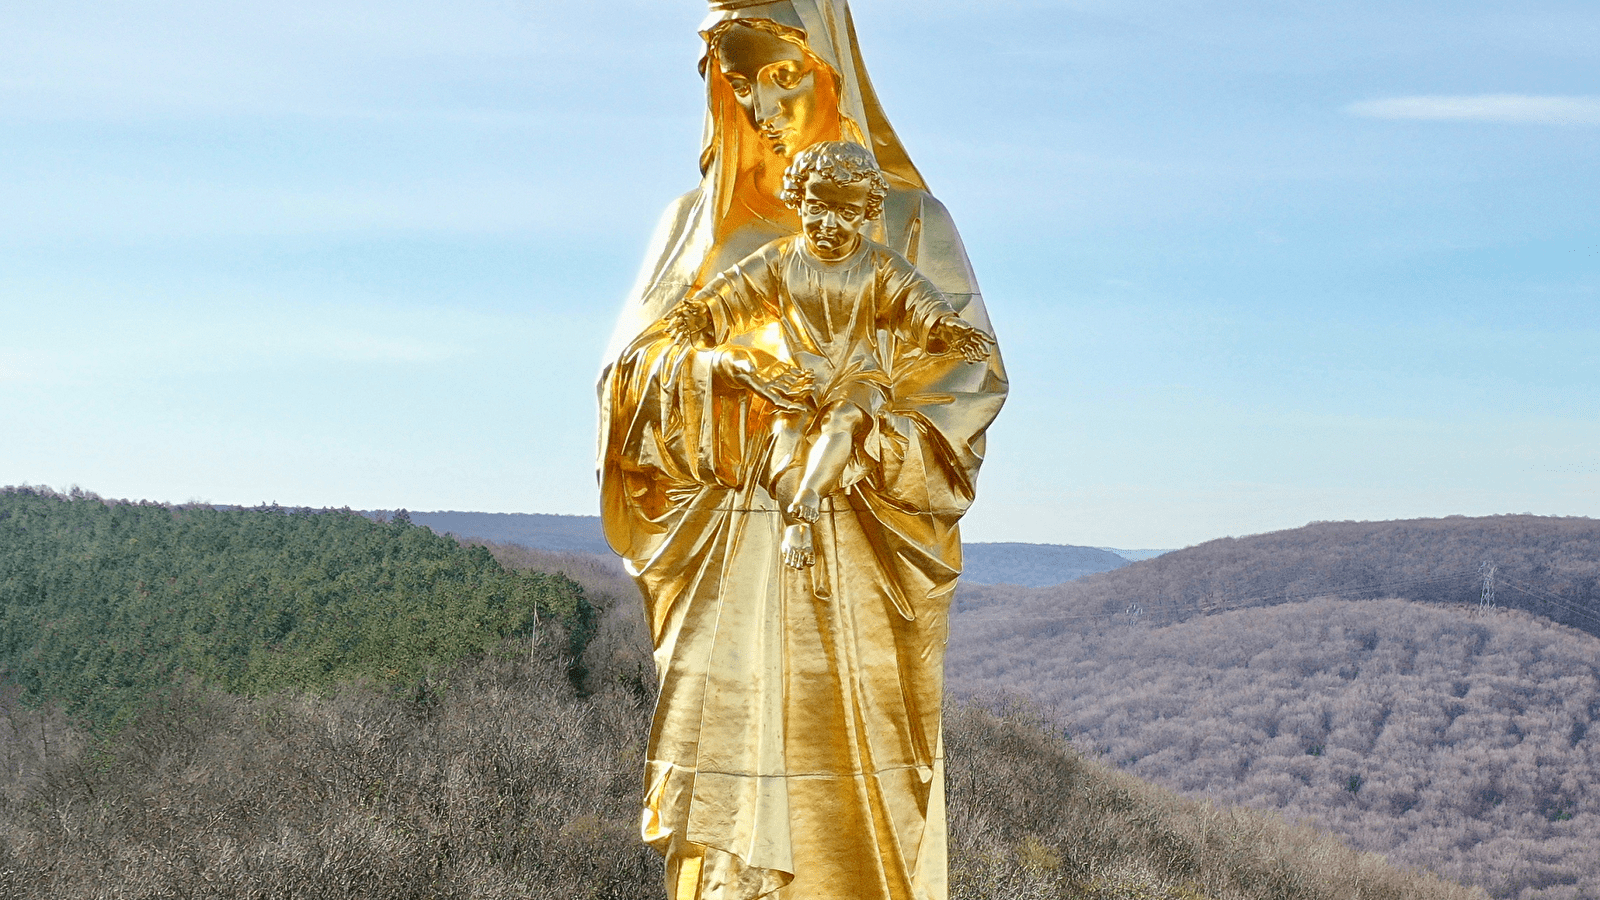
(1552,599)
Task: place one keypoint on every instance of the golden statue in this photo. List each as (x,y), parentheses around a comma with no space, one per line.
(792,418)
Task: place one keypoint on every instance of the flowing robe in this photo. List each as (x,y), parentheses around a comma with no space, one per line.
(794,738)
(795,750)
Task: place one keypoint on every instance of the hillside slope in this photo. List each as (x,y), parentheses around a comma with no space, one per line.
(1468,743)
(1503,796)
(505,777)
(1546,565)
(503,783)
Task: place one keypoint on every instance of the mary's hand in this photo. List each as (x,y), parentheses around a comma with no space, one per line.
(783,384)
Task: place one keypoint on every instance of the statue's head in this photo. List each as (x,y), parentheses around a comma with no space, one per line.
(786,93)
(836,187)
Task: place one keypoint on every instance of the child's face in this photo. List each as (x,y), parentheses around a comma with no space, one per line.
(832,216)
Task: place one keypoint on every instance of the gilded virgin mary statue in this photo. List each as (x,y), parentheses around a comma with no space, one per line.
(796,751)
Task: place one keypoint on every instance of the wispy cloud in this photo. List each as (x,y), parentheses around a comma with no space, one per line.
(1508,108)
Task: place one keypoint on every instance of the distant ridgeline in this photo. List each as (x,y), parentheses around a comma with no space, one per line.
(1033,565)
(1549,566)
(579,534)
(1030,565)
(103,602)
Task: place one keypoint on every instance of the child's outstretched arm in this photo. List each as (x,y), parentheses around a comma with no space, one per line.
(690,323)
(954,333)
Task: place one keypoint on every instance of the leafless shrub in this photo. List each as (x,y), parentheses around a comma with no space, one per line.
(508,786)
(505,780)
(1031,818)
(1440,737)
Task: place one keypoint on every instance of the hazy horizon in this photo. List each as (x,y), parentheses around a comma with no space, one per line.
(1249,268)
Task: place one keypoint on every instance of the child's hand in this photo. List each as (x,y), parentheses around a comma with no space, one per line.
(785,385)
(956,334)
(689,323)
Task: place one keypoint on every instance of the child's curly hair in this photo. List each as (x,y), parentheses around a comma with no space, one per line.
(841,162)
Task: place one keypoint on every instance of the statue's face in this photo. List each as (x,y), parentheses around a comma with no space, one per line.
(832,215)
(786,96)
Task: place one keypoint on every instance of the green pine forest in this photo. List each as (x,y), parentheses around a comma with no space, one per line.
(299,704)
(104,603)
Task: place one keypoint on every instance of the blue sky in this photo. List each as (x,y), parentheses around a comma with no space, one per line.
(1252,264)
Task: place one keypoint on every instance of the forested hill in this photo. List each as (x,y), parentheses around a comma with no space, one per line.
(104,602)
(1438,736)
(504,781)
(1545,565)
(1278,671)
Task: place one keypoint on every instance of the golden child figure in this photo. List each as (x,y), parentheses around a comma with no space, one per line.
(833,293)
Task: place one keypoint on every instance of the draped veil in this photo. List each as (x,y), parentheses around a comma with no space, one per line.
(796,747)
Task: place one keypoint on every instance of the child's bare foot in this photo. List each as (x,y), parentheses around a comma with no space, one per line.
(807,506)
(797,552)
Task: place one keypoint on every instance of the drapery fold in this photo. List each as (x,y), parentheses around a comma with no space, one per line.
(795,750)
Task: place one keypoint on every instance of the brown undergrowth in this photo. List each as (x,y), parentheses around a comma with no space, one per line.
(508,778)
(1031,819)
(505,784)
(500,784)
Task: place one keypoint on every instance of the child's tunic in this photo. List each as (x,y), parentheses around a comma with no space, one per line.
(838,317)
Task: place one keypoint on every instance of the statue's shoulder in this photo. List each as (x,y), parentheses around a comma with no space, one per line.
(919,227)
(906,205)
(677,214)
(911,215)
(671,226)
